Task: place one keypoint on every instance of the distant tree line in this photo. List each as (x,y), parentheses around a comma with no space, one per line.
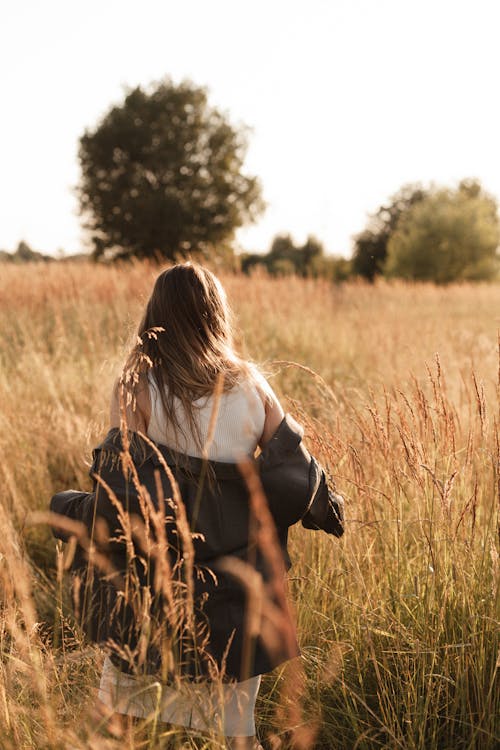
(285,258)
(162,177)
(422,234)
(24,254)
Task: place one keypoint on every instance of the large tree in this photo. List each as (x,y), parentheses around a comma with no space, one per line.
(162,176)
(450,235)
(370,246)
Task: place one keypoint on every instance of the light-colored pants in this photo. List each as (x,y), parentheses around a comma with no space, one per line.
(227,707)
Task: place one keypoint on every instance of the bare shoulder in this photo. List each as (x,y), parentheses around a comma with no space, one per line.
(137,408)
(272,407)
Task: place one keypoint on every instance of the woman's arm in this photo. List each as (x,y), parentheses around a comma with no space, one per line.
(137,414)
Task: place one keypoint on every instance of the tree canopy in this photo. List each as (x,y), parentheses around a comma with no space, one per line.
(449,235)
(370,246)
(162,176)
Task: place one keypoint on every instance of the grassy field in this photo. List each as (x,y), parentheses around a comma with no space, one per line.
(399,391)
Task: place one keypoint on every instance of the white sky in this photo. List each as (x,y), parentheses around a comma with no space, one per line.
(347,100)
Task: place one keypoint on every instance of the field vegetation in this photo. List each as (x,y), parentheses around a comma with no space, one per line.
(398,386)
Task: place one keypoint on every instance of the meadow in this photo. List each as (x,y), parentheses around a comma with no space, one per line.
(398,387)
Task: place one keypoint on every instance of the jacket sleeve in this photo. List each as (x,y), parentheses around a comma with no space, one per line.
(85,507)
(75,505)
(296,485)
(326,511)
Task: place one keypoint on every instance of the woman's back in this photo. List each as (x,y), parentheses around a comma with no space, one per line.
(237,431)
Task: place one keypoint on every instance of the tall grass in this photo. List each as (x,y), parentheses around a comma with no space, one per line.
(398,621)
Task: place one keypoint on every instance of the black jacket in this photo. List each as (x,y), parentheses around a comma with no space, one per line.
(120,591)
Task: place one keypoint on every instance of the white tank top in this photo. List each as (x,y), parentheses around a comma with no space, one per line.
(238,429)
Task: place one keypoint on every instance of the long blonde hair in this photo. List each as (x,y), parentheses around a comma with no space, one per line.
(185,341)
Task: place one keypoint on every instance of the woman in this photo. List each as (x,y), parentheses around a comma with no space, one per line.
(170,506)
(185,351)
